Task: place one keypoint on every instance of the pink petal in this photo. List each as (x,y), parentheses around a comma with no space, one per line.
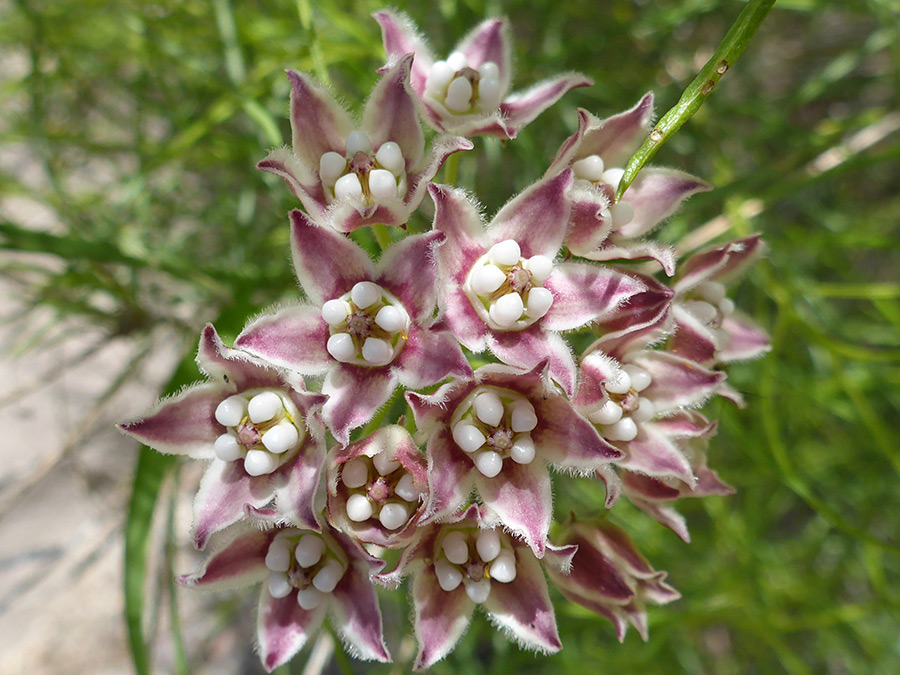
(520,109)
(283,627)
(433,412)
(619,545)
(611,482)
(428,357)
(643,320)
(655,455)
(583,293)
(676,382)
(615,249)
(232,367)
(224,491)
(665,515)
(648,488)
(241,562)
(296,485)
(655,195)
(616,138)
(489,41)
(536,218)
(692,340)
(594,576)
(184,424)
(293,338)
(746,340)
(461,319)
(589,224)
(346,216)
(318,123)
(450,473)
(357,616)
(419,179)
(355,393)
(457,217)
(520,496)
(523,608)
(685,424)
(567,440)
(391,113)
(303,181)
(327,263)
(400,36)
(527,348)
(407,270)
(720,263)
(441,617)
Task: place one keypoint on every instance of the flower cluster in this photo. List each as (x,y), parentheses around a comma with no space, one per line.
(307,488)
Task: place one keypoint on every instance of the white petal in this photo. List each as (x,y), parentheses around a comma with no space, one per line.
(608,413)
(523,416)
(335,312)
(393,515)
(281,438)
(365,294)
(331,167)
(357,141)
(646,410)
(612,177)
(309,550)
(489,408)
(385,464)
(391,319)
(390,157)
(359,508)
(539,302)
(618,383)
(540,267)
(377,352)
(260,462)
(487,279)
(448,576)
(488,463)
(590,168)
(348,187)
(341,347)
(523,450)
(264,407)
(478,591)
(227,448)
(382,184)
(406,488)
(640,378)
(329,576)
(459,95)
(505,252)
(507,310)
(456,547)
(457,61)
(310,598)
(355,472)
(279,586)
(278,557)
(487,543)
(230,412)
(468,437)
(504,567)
(623,430)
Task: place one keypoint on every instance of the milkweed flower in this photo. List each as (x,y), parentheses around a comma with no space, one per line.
(259,430)
(467,94)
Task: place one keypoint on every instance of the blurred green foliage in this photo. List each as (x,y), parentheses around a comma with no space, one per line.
(132,129)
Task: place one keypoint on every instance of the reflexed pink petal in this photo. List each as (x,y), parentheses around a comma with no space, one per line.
(732,394)
(527,348)
(616,138)
(400,36)
(232,367)
(463,322)
(458,218)
(391,113)
(283,627)
(583,292)
(643,320)
(441,617)
(611,482)
(293,338)
(327,263)
(489,41)
(536,218)
(302,180)
(296,485)
(594,576)
(709,483)
(569,151)
(357,616)
(589,226)
(655,195)
(319,124)
(614,249)
(433,412)
(492,124)
(419,179)
(559,558)
(685,424)
(240,563)
(523,608)
(224,491)
(345,216)
(354,394)
(676,382)
(655,455)
(613,540)
(520,496)
(746,340)
(567,440)
(692,339)
(450,474)
(665,515)
(720,263)
(596,368)
(408,271)
(184,424)
(428,357)
(520,109)
(652,489)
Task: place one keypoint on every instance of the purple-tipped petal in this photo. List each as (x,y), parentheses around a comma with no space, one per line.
(441,617)
(428,357)
(568,441)
(612,483)
(666,516)
(318,122)
(616,138)
(615,249)
(520,496)
(328,264)
(355,393)
(391,113)
(589,221)
(676,382)
(296,485)
(523,608)
(489,41)
(345,216)
(357,616)
(527,348)
(441,148)
(720,263)
(461,319)
(643,320)
(241,562)
(536,218)
(184,424)
(302,181)
(293,338)
(693,340)
(655,455)
(283,627)
(400,36)
(408,271)
(458,218)
(746,340)
(520,109)
(232,367)
(655,195)
(583,293)
(450,474)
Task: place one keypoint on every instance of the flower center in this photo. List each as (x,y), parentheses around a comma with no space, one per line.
(474,558)
(462,89)
(380,488)
(494,424)
(624,408)
(262,427)
(303,561)
(592,170)
(361,175)
(368,326)
(506,289)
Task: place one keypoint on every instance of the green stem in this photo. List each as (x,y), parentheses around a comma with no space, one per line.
(451,169)
(699,90)
(382,236)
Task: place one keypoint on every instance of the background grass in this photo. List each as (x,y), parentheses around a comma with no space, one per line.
(146,119)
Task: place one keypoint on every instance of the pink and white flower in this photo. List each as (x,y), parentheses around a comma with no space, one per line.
(461,564)
(496,432)
(603,229)
(368,328)
(501,287)
(466,94)
(259,429)
(305,574)
(348,175)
